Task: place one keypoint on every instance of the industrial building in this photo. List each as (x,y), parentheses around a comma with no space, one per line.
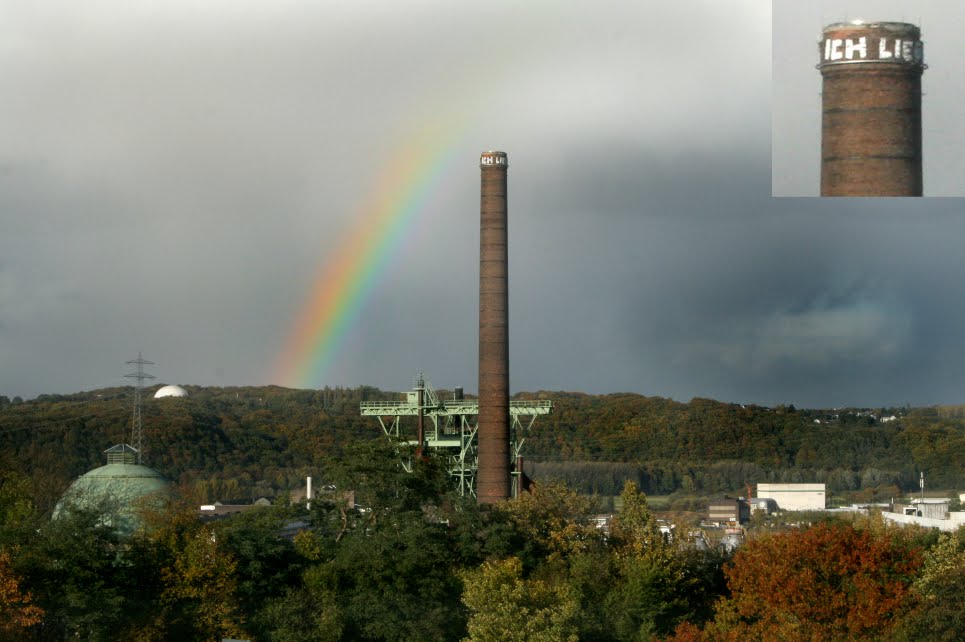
(728,510)
(762,505)
(170,391)
(927,507)
(871,109)
(117,489)
(793,496)
(928,512)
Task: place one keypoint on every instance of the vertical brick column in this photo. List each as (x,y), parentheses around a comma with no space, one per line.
(871,109)
(492,478)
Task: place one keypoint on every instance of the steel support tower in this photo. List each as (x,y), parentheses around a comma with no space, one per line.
(450,429)
(137,425)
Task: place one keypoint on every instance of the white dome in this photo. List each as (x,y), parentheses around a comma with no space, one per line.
(171,391)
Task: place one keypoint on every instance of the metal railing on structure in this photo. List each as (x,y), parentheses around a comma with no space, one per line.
(455,407)
(451,427)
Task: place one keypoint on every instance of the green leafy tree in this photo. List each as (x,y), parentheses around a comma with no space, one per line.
(375,471)
(266,562)
(477,535)
(18,516)
(940,612)
(306,614)
(554,523)
(74,568)
(592,576)
(383,564)
(394,581)
(655,587)
(504,607)
(635,530)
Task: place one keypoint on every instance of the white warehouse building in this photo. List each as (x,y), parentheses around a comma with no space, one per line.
(794,496)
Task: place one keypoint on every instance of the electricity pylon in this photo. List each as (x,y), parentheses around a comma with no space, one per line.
(137,425)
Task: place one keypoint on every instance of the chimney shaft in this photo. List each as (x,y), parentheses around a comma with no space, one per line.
(871,109)
(493,479)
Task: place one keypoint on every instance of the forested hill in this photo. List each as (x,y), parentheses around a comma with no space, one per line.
(707,447)
(242,443)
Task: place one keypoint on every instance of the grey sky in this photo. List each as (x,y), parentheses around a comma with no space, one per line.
(174,175)
(796,118)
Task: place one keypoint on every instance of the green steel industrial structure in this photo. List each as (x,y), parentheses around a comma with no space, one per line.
(449,429)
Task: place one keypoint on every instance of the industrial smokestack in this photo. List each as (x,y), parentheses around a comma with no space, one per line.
(493,479)
(871,109)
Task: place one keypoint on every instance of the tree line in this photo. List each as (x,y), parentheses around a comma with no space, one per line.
(408,560)
(239,444)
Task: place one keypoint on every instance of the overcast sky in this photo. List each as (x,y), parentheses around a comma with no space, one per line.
(796,118)
(174,175)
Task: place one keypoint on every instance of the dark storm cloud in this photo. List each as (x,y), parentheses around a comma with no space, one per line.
(726,294)
(819,307)
(616,238)
(688,180)
(176,178)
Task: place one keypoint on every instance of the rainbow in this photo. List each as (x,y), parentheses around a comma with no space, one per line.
(349,277)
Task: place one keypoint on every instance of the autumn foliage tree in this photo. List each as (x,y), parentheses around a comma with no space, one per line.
(17,611)
(193,576)
(828,582)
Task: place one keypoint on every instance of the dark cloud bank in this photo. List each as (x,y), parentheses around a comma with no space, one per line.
(179,199)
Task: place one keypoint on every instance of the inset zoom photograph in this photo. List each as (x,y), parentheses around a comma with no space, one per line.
(861,107)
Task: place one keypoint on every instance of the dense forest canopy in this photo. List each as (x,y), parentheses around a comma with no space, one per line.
(238,444)
(410,560)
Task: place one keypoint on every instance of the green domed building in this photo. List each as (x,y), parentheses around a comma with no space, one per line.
(118,488)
